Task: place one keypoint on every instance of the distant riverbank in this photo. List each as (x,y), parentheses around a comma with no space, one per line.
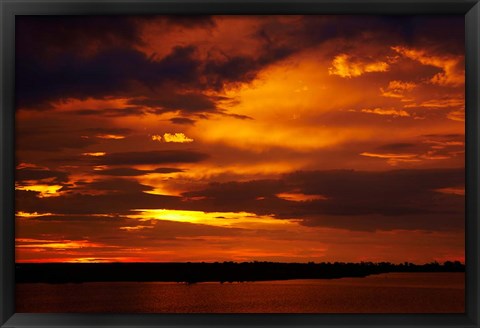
(212,272)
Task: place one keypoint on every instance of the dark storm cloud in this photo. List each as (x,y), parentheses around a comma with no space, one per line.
(241,68)
(111,112)
(237,116)
(110,72)
(443,32)
(166,170)
(151,157)
(355,200)
(122,171)
(33,174)
(54,132)
(126,171)
(395,147)
(114,67)
(445,222)
(182,120)
(49,36)
(103,130)
(428,146)
(402,199)
(44,138)
(389,193)
(116,200)
(189,102)
(120,71)
(117,186)
(108,230)
(239,192)
(80,56)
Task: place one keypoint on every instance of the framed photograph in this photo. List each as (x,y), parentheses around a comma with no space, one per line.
(207,163)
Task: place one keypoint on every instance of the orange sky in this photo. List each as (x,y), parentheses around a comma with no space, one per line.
(277,138)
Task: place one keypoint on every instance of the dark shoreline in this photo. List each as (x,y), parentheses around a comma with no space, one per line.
(194,272)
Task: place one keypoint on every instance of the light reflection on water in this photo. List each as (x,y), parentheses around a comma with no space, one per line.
(384,293)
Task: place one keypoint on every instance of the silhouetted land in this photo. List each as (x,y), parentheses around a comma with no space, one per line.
(214,272)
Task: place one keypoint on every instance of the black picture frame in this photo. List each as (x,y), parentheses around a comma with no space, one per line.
(10,8)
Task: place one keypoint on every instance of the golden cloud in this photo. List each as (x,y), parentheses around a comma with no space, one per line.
(95,154)
(345,66)
(457,115)
(439,103)
(172,137)
(243,220)
(393,159)
(110,136)
(396,89)
(390,111)
(21,214)
(43,189)
(55,244)
(176,137)
(157,137)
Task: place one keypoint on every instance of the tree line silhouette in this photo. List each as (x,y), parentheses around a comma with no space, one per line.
(193,272)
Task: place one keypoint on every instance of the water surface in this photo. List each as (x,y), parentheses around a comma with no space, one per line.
(383,293)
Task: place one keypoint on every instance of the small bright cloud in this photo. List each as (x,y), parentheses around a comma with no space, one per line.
(110,136)
(96,154)
(31,215)
(135,228)
(344,65)
(176,137)
(391,112)
(396,89)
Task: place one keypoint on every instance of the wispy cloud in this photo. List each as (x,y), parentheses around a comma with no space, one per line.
(347,66)
(386,111)
(397,89)
(452,70)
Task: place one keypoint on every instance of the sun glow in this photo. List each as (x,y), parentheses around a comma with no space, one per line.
(219,219)
(55,244)
(95,154)
(110,136)
(44,190)
(22,214)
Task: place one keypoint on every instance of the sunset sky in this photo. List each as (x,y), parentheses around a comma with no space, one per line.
(239,138)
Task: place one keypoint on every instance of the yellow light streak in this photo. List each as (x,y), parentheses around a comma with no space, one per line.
(219,219)
(44,190)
